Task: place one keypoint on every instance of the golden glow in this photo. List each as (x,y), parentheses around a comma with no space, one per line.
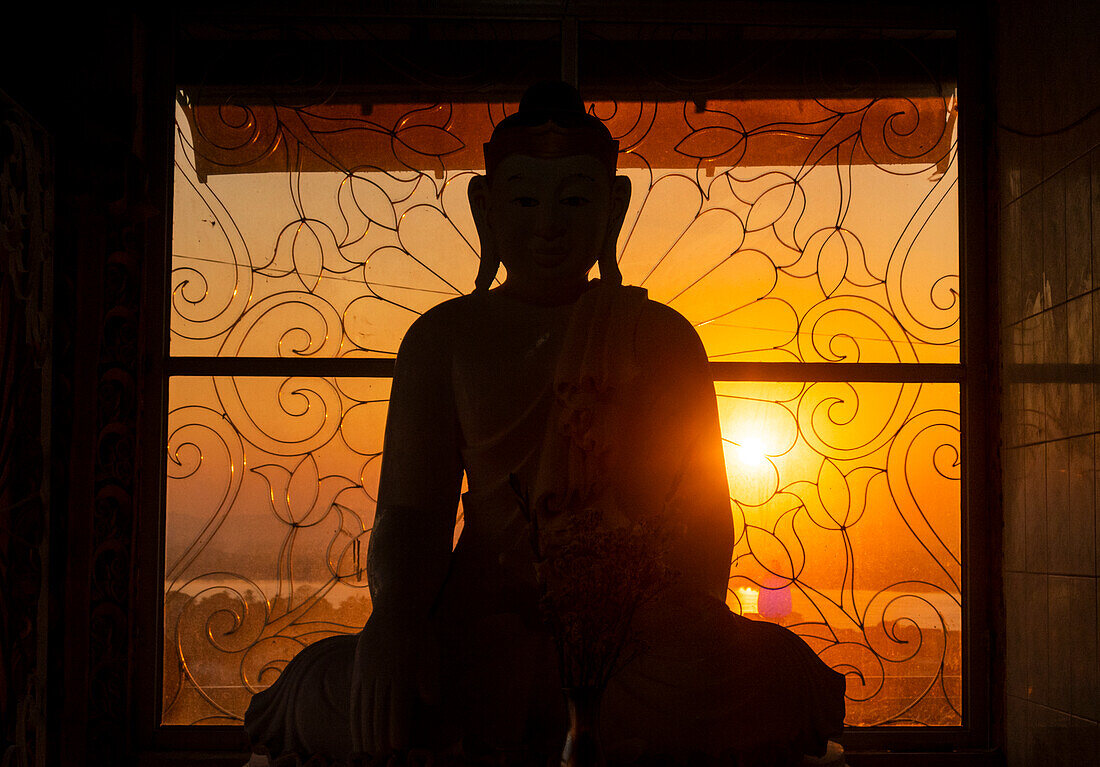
(757,263)
(751,452)
(846,499)
(847,495)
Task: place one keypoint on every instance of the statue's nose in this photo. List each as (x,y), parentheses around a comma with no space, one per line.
(549,222)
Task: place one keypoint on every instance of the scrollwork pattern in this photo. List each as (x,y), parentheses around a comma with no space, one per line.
(737,205)
(266,538)
(814,231)
(857,552)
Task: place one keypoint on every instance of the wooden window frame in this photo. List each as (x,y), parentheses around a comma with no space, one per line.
(972,743)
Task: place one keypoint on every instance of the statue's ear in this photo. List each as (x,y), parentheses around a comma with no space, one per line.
(478,193)
(620,201)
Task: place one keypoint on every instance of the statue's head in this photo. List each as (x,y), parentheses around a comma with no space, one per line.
(549,205)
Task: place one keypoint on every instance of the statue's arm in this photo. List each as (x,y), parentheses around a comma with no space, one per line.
(687,439)
(421,476)
(397,656)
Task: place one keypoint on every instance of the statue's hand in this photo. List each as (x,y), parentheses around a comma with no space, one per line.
(397,662)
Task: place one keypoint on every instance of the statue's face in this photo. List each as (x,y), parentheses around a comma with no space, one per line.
(550,218)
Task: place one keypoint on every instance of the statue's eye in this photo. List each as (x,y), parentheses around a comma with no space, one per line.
(525,202)
(575,201)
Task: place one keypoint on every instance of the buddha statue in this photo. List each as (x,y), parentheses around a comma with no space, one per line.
(572,389)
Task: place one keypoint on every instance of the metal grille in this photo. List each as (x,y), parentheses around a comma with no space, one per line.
(813,244)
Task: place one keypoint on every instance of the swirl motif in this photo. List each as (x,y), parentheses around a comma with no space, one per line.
(292,324)
(201,443)
(217,621)
(895,130)
(833,423)
(925,303)
(306,416)
(863,544)
(235,614)
(237,135)
(930,438)
(414,239)
(211,274)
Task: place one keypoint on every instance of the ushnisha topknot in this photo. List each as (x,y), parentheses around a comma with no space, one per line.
(551,122)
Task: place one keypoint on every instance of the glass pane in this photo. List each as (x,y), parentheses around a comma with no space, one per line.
(317,264)
(785,230)
(845,498)
(846,501)
(270,502)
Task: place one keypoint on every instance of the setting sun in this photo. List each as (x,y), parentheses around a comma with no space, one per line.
(750,451)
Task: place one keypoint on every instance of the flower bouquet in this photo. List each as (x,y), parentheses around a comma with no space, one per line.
(593,575)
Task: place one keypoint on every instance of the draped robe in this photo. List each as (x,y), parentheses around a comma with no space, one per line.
(607,399)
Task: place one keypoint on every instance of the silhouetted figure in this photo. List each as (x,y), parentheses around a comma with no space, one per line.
(584,392)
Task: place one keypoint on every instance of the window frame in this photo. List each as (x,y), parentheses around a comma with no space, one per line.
(976,374)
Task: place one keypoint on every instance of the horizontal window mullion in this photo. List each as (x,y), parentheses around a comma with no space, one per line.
(378,367)
(720,371)
(863,372)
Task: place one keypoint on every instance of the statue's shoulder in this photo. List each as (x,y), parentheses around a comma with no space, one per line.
(435,332)
(444,318)
(659,335)
(664,333)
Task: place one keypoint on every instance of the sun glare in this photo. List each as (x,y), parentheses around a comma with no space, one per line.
(750,451)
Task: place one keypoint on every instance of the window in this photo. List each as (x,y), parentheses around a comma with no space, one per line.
(810,233)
